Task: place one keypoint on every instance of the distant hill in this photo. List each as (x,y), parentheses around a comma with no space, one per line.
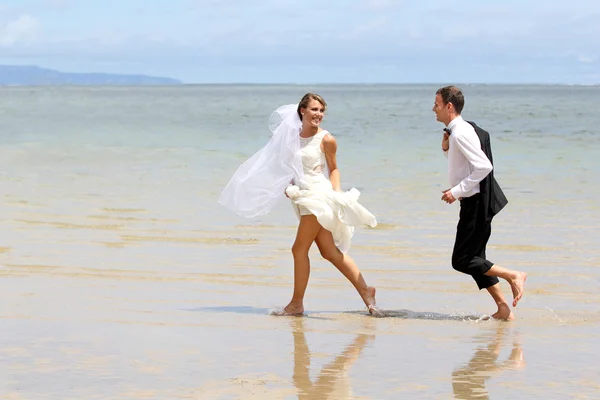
(32,75)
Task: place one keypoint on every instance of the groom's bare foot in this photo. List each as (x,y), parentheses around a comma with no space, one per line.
(517,284)
(292,309)
(504,313)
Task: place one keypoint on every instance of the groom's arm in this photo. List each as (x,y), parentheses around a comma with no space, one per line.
(445,143)
(481,165)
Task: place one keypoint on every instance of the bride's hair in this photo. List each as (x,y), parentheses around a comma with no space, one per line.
(306,99)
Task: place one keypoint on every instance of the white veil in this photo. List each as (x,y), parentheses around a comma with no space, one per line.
(260,182)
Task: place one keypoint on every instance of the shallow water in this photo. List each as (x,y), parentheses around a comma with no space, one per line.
(123,278)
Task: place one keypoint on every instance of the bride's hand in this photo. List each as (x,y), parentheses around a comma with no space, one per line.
(285,190)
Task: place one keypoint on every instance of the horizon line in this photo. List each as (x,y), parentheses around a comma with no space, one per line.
(181,83)
(391,83)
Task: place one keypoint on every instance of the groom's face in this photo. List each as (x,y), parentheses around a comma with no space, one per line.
(440,109)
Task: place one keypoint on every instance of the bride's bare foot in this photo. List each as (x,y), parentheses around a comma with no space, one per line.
(368,296)
(504,313)
(292,309)
(517,284)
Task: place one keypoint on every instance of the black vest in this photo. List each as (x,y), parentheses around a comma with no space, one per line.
(492,196)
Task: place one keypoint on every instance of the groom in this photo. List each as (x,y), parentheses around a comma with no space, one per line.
(473,184)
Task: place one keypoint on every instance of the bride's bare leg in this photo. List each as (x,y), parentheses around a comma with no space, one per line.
(346,265)
(307,231)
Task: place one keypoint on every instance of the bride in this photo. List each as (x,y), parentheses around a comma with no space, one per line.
(300,161)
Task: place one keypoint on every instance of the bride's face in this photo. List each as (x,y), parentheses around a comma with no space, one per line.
(313,114)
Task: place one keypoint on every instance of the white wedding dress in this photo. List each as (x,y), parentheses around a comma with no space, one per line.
(338,212)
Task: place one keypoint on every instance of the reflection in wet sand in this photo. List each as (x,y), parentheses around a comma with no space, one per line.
(468,382)
(333,381)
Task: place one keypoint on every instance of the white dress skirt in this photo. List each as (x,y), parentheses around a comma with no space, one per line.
(338,212)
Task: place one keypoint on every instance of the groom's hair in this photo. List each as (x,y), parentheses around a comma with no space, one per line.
(452,94)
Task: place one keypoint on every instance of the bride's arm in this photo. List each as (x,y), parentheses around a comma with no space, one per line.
(330,148)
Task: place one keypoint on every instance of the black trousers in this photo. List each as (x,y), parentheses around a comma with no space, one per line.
(472,235)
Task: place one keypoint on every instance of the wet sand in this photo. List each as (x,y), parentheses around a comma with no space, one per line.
(92,310)
(122,278)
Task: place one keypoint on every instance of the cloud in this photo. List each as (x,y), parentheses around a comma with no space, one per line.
(284,36)
(586,59)
(375,25)
(58,4)
(378,4)
(21,30)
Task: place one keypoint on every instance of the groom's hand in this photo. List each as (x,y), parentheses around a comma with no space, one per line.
(445,142)
(448,197)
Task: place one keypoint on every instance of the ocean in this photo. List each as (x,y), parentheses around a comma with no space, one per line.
(122,277)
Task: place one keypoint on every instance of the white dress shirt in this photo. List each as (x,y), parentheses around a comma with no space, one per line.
(467,163)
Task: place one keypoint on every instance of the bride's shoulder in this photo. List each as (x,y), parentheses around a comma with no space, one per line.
(326,134)
(329,141)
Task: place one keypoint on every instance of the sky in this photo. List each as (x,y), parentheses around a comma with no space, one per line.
(309,41)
